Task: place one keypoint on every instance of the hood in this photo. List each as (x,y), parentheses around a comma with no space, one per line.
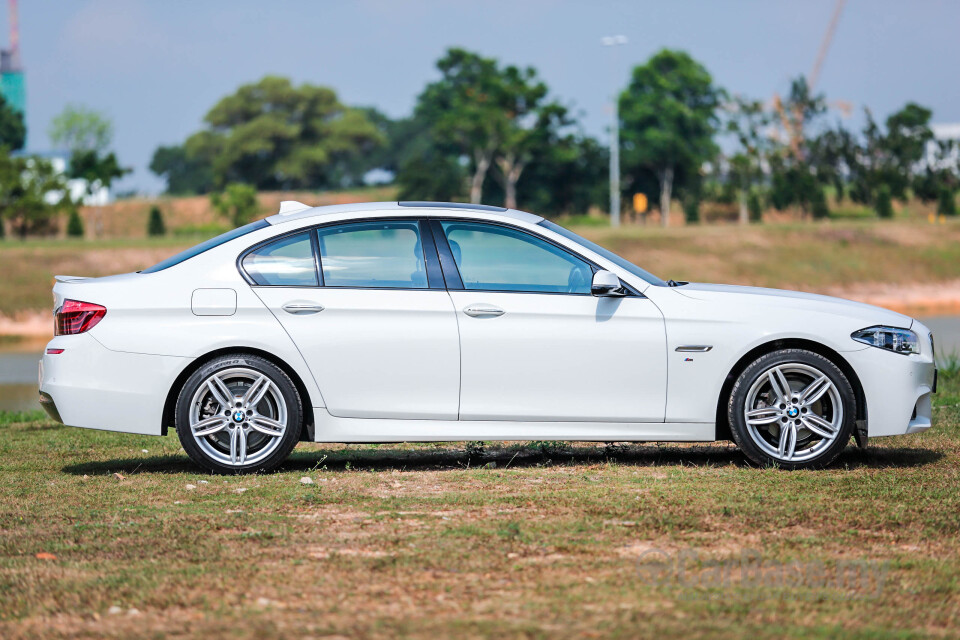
(783,299)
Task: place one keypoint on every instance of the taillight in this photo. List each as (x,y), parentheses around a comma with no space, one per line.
(76,317)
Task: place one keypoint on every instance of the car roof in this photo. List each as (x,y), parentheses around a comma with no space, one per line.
(291,210)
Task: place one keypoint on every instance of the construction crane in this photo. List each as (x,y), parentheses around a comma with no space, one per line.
(793,122)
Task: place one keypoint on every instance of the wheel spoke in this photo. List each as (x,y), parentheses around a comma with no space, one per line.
(819,426)
(779,383)
(815,390)
(238,446)
(220,392)
(765,415)
(209,426)
(267,426)
(788,441)
(256,392)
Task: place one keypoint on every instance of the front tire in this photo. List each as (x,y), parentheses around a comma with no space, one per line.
(792,408)
(239,414)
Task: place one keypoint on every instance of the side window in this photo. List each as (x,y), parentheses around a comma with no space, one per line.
(288,262)
(494,258)
(373,254)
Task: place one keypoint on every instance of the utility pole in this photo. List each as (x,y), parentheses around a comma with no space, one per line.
(614,42)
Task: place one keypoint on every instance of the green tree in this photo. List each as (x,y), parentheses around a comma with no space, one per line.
(155,225)
(74,224)
(96,169)
(25,186)
(273,135)
(238,203)
(13,131)
(465,110)
(748,122)
(186,173)
(668,119)
(78,128)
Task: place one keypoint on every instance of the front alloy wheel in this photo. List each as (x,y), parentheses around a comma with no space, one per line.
(793,408)
(238,414)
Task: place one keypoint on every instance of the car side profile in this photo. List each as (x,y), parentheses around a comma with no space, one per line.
(419,321)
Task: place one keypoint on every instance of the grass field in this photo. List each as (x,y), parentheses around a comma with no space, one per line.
(814,256)
(119,536)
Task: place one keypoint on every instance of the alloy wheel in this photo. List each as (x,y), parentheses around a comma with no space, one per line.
(793,412)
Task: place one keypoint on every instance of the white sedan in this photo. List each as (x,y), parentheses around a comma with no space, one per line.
(420,321)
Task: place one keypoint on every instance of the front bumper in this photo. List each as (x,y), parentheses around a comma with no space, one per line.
(898,388)
(90,386)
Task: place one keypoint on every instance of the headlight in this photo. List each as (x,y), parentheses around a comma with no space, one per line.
(890,338)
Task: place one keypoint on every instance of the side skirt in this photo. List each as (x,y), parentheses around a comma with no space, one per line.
(332,429)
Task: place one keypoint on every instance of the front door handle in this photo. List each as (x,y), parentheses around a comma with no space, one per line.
(483,311)
(297,308)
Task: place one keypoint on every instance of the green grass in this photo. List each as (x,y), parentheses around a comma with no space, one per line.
(435,541)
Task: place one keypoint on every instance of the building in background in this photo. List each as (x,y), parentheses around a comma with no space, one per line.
(11,69)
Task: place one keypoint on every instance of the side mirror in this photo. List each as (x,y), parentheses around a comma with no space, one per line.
(606,284)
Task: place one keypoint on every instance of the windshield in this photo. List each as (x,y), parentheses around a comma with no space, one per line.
(206,246)
(606,253)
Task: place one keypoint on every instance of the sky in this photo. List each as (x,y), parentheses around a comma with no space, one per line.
(156,66)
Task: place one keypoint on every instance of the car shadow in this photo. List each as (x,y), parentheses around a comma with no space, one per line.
(451,458)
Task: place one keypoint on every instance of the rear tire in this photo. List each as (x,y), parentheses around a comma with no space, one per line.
(239,414)
(792,408)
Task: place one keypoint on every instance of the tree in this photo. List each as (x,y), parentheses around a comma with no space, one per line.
(668,120)
(13,131)
(155,226)
(464,109)
(185,172)
(31,194)
(78,128)
(74,224)
(748,123)
(273,135)
(96,169)
(238,203)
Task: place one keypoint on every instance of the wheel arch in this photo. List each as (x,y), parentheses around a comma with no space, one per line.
(723,424)
(169,405)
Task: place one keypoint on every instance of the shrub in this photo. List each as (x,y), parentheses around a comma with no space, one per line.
(74,225)
(946,204)
(238,203)
(3,230)
(691,210)
(818,204)
(155,226)
(884,203)
(755,207)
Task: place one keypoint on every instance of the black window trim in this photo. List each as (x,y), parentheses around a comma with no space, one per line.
(433,242)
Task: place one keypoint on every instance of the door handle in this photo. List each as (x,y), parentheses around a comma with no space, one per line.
(483,311)
(302,308)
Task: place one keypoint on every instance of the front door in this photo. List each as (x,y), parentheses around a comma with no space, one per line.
(535,345)
(379,336)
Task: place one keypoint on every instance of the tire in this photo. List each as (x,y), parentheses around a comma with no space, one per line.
(803,428)
(256,432)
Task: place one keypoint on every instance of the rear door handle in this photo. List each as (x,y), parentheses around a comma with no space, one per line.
(298,308)
(483,311)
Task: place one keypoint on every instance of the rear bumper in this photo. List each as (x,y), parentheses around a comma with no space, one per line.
(93,387)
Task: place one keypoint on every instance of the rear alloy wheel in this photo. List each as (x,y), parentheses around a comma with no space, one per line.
(793,408)
(239,414)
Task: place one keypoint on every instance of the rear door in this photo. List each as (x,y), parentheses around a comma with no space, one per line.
(535,344)
(365,304)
